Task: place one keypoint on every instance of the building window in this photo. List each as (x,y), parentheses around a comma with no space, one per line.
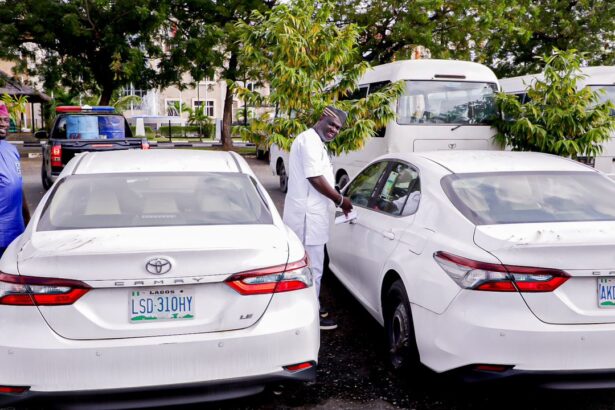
(173,107)
(209,106)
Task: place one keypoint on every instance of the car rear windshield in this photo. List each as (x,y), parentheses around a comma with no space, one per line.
(91,127)
(121,200)
(527,197)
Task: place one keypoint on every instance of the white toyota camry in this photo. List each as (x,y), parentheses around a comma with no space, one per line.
(491,264)
(156,272)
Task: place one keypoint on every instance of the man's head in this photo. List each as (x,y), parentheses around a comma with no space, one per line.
(4,121)
(331,122)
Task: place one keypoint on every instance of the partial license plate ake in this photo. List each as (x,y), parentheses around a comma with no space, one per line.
(158,304)
(606,292)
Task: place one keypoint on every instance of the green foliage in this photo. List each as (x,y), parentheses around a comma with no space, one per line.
(561,118)
(88,45)
(449,29)
(124,103)
(538,27)
(16,106)
(309,63)
(199,118)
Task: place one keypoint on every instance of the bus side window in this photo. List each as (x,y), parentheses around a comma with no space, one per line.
(375,87)
(357,94)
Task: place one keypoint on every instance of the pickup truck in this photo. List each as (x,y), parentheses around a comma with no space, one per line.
(82,129)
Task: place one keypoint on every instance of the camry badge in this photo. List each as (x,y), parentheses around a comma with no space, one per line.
(158,266)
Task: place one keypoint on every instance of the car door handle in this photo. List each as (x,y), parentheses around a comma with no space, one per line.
(389,235)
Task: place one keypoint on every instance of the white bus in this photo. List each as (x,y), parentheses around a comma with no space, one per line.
(447,105)
(596,78)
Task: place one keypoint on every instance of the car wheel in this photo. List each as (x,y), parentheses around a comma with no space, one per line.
(44,178)
(342,181)
(260,154)
(283,178)
(403,352)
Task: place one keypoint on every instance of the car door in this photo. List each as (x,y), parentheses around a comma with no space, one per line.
(380,226)
(339,247)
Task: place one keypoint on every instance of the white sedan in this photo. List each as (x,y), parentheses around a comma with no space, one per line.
(492,264)
(157,272)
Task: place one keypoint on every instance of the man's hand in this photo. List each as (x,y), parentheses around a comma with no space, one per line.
(346,206)
(321,185)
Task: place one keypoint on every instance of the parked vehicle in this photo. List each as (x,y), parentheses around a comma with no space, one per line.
(83,129)
(600,79)
(448,105)
(492,264)
(163,272)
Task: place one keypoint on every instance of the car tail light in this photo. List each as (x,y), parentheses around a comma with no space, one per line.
(299,366)
(275,279)
(56,156)
(471,274)
(13,389)
(34,291)
(496,368)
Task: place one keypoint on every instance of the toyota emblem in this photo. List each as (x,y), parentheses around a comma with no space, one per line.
(158,266)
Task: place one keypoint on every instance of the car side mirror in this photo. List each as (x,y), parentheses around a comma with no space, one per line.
(41,135)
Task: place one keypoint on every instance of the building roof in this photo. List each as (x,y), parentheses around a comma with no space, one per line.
(11,86)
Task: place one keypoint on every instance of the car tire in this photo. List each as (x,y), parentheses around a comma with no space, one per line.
(403,352)
(283,177)
(260,154)
(343,181)
(44,178)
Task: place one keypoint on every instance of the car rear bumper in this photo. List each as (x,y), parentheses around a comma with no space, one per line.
(556,380)
(33,355)
(159,396)
(496,328)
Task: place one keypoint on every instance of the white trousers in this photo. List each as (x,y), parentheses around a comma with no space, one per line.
(316,255)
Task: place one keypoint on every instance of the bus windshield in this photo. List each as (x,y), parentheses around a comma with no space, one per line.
(447,102)
(607,95)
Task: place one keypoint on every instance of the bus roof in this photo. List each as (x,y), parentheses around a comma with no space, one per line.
(438,70)
(600,75)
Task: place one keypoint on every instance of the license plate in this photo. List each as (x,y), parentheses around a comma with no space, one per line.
(606,292)
(164,303)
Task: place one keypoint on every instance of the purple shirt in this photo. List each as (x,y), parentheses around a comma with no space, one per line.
(11,194)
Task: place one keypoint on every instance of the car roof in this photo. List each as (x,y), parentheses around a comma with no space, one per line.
(499,161)
(158,160)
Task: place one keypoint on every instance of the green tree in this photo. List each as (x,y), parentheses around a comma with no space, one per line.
(309,63)
(561,118)
(449,29)
(198,117)
(541,26)
(205,44)
(85,45)
(16,106)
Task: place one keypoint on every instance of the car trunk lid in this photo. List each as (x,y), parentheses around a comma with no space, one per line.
(127,267)
(584,250)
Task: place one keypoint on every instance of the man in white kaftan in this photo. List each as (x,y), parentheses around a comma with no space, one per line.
(311,195)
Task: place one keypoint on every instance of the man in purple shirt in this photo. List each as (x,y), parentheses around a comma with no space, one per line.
(14,212)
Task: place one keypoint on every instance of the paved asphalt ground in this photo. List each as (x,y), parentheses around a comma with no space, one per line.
(352,371)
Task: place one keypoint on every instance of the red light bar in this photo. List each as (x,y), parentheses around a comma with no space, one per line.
(68,108)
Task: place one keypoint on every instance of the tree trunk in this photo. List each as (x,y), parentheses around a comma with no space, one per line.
(227,116)
(105,96)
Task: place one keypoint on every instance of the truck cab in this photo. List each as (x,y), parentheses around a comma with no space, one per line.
(82,129)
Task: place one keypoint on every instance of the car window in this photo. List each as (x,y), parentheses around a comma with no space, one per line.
(527,197)
(153,199)
(90,127)
(361,189)
(400,192)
